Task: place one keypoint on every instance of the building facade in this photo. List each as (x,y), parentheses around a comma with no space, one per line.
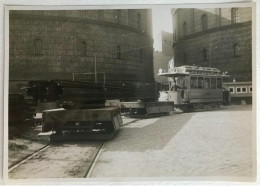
(162,58)
(55,44)
(214,37)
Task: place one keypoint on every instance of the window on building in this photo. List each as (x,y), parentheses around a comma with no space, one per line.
(207,83)
(244,89)
(204,22)
(139,21)
(118,16)
(83,48)
(38,47)
(238,89)
(219,83)
(141,53)
(193,82)
(118,52)
(250,89)
(236,49)
(184,28)
(231,89)
(200,82)
(100,14)
(184,58)
(174,36)
(204,55)
(234,16)
(128,16)
(213,83)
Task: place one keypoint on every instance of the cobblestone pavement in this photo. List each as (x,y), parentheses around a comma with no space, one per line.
(212,143)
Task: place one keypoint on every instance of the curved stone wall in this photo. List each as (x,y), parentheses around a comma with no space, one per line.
(47,45)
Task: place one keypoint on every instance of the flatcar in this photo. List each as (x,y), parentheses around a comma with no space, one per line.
(194,88)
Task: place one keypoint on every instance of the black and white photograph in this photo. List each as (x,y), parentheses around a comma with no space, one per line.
(131,92)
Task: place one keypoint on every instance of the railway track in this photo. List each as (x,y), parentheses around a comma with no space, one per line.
(59,160)
(45,160)
(93,163)
(29,157)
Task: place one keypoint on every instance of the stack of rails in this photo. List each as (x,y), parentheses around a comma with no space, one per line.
(80,95)
(16,113)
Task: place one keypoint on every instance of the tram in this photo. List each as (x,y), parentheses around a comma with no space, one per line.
(193,88)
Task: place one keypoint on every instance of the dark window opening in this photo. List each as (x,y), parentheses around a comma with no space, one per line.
(184,59)
(204,22)
(141,53)
(207,83)
(38,46)
(238,89)
(234,16)
(200,83)
(236,50)
(118,16)
(83,48)
(118,52)
(193,82)
(100,14)
(184,27)
(139,21)
(204,55)
(231,90)
(219,83)
(244,89)
(250,89)
(174,36)
(213,83)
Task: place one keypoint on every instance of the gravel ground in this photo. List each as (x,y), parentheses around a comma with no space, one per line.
(60,160)
(22,146)
(213,143)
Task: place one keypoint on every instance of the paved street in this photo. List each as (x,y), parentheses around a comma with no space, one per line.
(213,143)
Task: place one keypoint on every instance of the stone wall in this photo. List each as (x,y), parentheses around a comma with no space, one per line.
(223,45)
(47,45)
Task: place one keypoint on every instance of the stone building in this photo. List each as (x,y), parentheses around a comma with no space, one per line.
(53,44)
(214,37)
(162,58)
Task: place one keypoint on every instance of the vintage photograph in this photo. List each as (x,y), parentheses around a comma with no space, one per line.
(157,92)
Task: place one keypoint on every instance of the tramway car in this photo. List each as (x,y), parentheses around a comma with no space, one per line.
(194,88)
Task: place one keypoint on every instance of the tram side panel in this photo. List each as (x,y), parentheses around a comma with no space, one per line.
(205,89)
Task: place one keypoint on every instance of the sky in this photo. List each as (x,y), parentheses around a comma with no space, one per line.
(162,21)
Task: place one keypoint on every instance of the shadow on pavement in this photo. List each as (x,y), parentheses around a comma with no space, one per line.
(150,137)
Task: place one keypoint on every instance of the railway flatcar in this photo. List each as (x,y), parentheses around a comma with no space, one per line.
(193,88)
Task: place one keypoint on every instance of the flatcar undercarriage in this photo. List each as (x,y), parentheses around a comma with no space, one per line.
(102,123)
(198,107)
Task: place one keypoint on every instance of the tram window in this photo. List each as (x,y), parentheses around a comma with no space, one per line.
(181,82)
(206,83)
(193,82)
(219,85)
(200,82)
(213,83)
(244,89)
(238,90)
(250,89)
(231,89)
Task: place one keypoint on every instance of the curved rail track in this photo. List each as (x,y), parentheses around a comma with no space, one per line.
(86,161)
(28,157)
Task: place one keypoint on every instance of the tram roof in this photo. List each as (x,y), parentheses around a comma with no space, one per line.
(192,70)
